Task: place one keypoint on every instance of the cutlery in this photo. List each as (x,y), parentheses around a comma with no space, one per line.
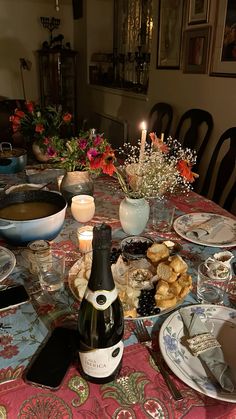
(144,338)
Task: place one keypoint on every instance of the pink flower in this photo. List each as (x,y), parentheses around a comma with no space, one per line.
(51,152)
(83,143)
(97,141)
(92,153)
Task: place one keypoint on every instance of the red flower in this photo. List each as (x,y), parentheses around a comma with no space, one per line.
(39,128)
(9,351)
(30,106)
(15,123)
(67,117)
(19,114)
(185,171)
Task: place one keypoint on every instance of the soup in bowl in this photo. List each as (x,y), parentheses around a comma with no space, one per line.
(31,215)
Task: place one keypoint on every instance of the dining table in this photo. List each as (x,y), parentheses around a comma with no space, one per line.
(140,390)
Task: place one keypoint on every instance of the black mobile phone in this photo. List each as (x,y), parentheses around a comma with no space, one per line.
(13,296)
(53,358)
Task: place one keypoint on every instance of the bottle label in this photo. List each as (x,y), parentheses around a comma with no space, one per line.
(101,363)
(101,299)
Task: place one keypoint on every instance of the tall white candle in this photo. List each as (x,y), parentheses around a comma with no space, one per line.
(143,142)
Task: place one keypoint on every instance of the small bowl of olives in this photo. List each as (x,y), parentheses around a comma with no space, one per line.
(135,247)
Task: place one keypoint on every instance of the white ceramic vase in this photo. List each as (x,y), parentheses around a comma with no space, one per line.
(134,215)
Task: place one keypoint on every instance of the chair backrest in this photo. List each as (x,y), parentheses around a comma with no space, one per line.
(194,130)
(225,166)
(160,119)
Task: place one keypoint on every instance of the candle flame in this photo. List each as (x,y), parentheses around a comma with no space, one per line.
(143,125)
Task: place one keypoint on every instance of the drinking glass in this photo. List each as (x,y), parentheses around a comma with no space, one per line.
(212,282)
(51,271)
(162,215)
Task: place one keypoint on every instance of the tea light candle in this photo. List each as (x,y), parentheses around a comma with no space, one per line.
(85,238)
(82,208)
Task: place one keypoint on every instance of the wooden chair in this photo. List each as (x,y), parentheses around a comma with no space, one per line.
(225,168)
(160,119)
(194,130)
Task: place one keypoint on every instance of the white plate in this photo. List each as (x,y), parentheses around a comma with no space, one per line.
(73,272)
(189,368)
(7,262)
(226,237)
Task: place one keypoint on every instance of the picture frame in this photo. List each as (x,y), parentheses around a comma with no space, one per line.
(196,50)
(223,61)
(198,11)
(169,34)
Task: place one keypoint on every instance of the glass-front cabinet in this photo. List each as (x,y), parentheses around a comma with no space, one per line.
(57,71)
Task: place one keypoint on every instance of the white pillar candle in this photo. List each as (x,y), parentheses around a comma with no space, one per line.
(143,142)
(85,238)
(82,208)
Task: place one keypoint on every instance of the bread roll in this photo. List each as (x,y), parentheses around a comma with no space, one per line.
(165,272)
(178,264)
(158,252)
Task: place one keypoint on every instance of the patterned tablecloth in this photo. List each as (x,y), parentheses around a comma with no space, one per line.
(140,391)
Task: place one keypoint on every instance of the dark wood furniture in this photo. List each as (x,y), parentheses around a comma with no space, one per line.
(58,73)
(160,119)
(194,130)
(222,169)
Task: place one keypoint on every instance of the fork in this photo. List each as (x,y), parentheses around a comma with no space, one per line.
(144,338)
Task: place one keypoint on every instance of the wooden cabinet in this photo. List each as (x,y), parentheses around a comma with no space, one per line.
(58,72)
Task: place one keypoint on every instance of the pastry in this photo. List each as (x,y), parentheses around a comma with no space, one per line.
(178,264)
(165,272)
(157,252)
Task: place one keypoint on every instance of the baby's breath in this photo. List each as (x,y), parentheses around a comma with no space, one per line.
(159,172)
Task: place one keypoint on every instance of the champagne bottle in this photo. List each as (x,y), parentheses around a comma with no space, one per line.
(100,319)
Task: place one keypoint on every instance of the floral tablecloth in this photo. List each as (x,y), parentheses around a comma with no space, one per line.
(140,391)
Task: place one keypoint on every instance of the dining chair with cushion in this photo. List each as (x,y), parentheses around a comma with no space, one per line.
(220,176)
(160,119)
(193,131)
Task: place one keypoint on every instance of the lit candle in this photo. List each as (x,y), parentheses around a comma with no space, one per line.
(82,208)
(143,142)
(162,136)
(85,238)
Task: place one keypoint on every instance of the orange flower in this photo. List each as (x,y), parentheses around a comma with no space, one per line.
(107,162)
(185,171)
(158,144)
(39,128)
(67,117)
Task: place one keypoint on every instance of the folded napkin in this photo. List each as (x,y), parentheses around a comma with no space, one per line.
(206,229)
(212,356)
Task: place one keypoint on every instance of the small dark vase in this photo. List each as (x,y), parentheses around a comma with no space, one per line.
(76,183)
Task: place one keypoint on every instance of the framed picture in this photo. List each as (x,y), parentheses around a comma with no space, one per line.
(195,53)
(170,33)
(198,11)
(224,48)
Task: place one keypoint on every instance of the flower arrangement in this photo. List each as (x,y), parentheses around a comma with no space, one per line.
(165,168)
(38,125)
(88,151)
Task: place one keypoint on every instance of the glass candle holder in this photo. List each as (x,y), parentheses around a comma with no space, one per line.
(85,238)
(82,208)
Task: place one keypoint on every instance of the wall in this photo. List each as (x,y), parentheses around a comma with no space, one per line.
(183,91)
(21,35)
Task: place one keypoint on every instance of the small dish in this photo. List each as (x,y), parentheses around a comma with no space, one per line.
(135,247)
